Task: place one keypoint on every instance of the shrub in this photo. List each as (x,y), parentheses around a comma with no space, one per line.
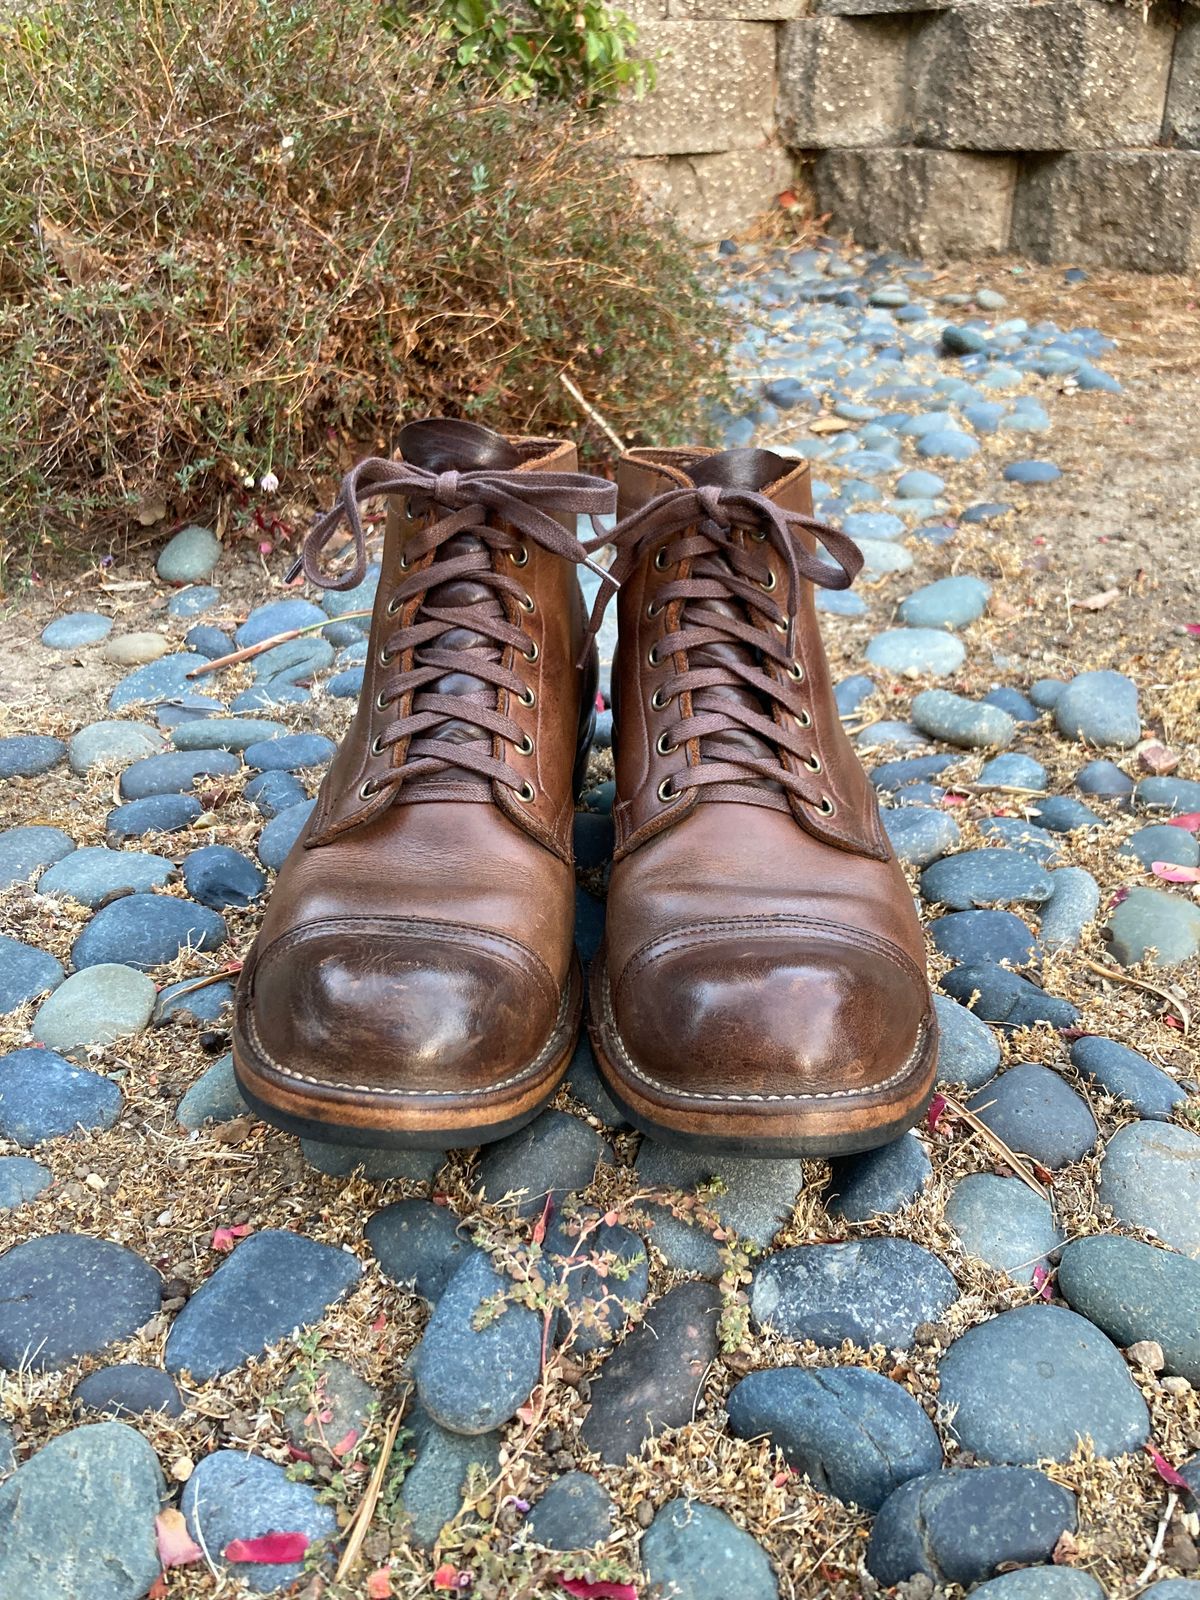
(239,237)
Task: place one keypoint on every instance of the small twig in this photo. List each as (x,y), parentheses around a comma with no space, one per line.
(994,1139)
(1117,976)
(589,410)
(229,971)
(252,650)
(1160,1538)
(360,1522)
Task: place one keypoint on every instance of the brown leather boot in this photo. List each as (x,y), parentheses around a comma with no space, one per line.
(414,982)
(762,984)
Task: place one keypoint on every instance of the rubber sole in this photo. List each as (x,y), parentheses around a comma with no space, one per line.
(830,1124)
(402,1120)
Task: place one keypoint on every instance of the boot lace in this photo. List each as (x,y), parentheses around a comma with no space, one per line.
(439,640)
(735,697)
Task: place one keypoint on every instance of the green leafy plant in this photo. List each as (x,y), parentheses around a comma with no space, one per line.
(239,238)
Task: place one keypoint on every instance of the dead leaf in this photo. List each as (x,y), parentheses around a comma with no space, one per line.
(79,262)
(1097,602)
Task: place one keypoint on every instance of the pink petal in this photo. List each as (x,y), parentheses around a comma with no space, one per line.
(270,1548)
(344,1446)
(1190,821)
(1170,873)
(584,1590)
(225,1238)
(1165,1470)
(175,1545)
(934,1115)
(1041,1282)
(1193,628)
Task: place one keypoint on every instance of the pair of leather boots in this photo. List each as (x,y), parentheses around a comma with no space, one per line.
(761,987)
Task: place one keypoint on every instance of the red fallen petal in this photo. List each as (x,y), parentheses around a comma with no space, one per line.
(1165,1470)
(1170,873)
(1193,628)
(297,1454)
(600,706)
(379,1324)
(954,799)
(225,1238)
(175,1545)
(1189,821)
(1121,894)
(1173,1022)
(781,1478)
(934,1115)
(344,1446)
(584,1590)
(379,1585)
(270,1548)
(1041,1282)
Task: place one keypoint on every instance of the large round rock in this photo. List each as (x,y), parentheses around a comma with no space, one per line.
(870,1291)
(1150,1177)
(851,1431)
(696,1550)
(68,1295)
(471,1378)
(232,1495)
(1031,1383)
(1136,1292)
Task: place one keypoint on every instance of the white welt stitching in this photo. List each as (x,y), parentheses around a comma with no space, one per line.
(762,1099)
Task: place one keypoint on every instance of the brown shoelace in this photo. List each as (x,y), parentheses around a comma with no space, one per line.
(715,530)
(474,504)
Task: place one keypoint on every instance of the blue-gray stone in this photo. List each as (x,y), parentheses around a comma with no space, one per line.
(418,1244)
(289,753)
(346,685)
(575,1513)
(1031,472)
(1037,1114)
(128,1390)
(111,744)
(547,1159)
(961,341)
(157,680)
(219,876)
(871,1291)
(157,813)
(1161,842)
(232,1495)
(24,850)
(1019,707)
(757,1198)
(75,630)
(696,1550)
(1150,1178)
(93,873)
(1025,838)
(273,792)
(25,973)
(927,652)
(584,1083)
(1033,1383)
(1122,1072)
(21,1179)
(896,775)
(918,484)
(971,936)
(880,1181)
(95,1007)
(273,1282)
(432,1491)
(28,755)
(472,1379)
(67,1295)
(962,1525)
(277,616)
(379,1162)
(953,718)
(190,557)
(948,603)
(1172,1589)
(174,772)
(281,833)
(852,1432)
(147,930)
(1168,794)
(1004,1223)
(1154,925)
(1045,692)
(880,557)
(1013,771)
(1133,1292)
(205,640)
(287,663)
(986,511)
(888,735)
(1063,813)
(214,1097)
(949,444)
(987,877)
(873,525)
(968,1051)
(194,600)
(843,603)
(42,1097)
(106,1548)
(1000,996)
(224,733)
(182,1000)
(920,834)
(1101,708)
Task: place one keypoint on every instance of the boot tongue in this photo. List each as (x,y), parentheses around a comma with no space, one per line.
(449,445)
(733,469)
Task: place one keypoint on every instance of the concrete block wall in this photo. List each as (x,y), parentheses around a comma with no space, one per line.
(1059,129)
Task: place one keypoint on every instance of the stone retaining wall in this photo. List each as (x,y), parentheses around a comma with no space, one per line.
(1058,129)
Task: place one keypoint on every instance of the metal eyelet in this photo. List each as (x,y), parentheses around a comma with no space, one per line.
(758,535)
(667,792)
(381,701)
(652,656)
(659,701)
(525,748)
(533,652)
(377,745)
(796,671)
(403,563)
(780,627)
(394,605)
(768,586)
(660,559)
(528,698)
(813,763)
(826,807)
(525,792)
(654,608)
(366,791)
(803,720)
(386,657)
(520,556)
(663,748)
(528,604)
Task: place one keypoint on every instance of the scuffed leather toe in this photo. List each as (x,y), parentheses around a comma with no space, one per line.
(783,1014)
(398,1007)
